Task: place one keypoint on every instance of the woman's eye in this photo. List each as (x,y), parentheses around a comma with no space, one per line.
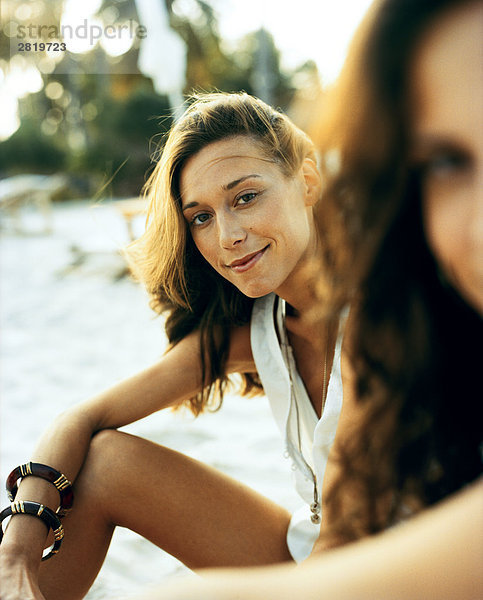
(444,164)
(246,198)
(199,219)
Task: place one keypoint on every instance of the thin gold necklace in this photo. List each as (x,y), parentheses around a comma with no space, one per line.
(324,383)
(315,506)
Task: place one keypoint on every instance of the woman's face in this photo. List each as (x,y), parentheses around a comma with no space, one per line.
(252,223)
(447,145)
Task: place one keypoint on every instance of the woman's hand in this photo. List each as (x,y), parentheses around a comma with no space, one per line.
(18,581)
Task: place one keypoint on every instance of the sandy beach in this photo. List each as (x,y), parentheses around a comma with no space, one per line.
(71,330)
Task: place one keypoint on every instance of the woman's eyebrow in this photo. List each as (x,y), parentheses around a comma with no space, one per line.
(189,205)
(232,184)
(228,186)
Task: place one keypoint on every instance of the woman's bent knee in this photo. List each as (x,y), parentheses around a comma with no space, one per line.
(98,479)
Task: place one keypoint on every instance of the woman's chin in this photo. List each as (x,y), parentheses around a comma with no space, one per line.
(255,291)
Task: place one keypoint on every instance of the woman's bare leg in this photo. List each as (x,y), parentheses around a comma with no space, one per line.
(194,512)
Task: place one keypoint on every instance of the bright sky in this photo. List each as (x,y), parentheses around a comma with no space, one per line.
(302,29)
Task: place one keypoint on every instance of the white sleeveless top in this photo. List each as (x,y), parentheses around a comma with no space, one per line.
(308,439)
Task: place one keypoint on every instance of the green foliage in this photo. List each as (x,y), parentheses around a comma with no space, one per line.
(116,144)
(120,137)
(28,150)
(139,117)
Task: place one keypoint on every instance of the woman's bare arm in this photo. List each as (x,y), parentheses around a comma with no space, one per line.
(64,446)
(437,554)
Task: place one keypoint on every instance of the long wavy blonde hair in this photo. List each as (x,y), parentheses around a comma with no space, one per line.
(180,282)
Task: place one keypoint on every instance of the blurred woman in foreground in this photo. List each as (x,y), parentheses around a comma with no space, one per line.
(403,153)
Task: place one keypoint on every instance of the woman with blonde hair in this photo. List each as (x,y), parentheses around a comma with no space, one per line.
(402,222)
(226,255)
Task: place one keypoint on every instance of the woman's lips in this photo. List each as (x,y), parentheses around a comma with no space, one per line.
(247,262)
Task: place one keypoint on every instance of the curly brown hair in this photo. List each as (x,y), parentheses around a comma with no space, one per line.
(179,280)
(413,341)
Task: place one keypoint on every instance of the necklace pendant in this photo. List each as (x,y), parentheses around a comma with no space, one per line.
(315,516)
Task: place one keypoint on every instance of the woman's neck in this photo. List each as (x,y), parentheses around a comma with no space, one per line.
(298,290)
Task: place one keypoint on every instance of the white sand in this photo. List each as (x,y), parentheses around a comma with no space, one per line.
(66,334)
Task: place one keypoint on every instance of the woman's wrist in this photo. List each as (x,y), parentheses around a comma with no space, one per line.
(23,542)
(25,535)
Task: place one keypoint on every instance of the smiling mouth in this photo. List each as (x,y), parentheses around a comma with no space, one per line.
(247,262)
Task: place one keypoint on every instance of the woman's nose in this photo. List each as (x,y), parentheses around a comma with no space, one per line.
(230,231)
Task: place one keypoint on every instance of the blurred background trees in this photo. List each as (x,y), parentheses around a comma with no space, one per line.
(100,122)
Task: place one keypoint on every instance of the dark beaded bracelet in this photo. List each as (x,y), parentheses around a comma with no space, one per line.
(44,513)
(62,484)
